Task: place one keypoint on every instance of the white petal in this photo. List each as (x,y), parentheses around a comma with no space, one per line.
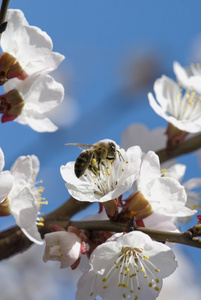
(33,234)
(177,171)
(192,183)
(24,208)
(150,169)
(166,89)
(6,183)
(168,197)
(41,93)
(22,170)
(156,107)
(160,222)
(181,74)
(2,161)
(36,121)
(86,285)
(35,163)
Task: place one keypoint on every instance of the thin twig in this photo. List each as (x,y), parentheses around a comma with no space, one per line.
(158,235)
(4,8)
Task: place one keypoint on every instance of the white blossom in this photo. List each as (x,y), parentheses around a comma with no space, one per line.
(62,246)
(40,93)
(31,46)
(182,111)
(6,179)
(129,267)
(177,171)
(165,194)
(25,196)
(112,181)
(190,77)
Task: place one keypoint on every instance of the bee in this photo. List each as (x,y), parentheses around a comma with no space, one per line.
(94,156)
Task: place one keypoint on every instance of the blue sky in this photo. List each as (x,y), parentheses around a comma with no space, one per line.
(100,39)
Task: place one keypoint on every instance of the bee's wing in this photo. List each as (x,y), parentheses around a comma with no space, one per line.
(79,144)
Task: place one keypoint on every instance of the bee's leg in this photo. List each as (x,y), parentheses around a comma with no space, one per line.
(103,163)
(92,167)
(120,155)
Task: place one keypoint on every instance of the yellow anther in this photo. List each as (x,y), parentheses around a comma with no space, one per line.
(156,288)
(105,287)
(104,279)
(123,170)
(146,257)
(40,224)
(150,284)
(157,280)
(124,295)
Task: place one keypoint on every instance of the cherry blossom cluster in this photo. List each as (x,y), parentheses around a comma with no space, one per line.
(132,188)
(179,103)
(25,63)
(129,184)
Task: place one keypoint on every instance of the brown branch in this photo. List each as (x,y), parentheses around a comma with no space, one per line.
(13,240)
(188,146)
(158,235)
(4,8)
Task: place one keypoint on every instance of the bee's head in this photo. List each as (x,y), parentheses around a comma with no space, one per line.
(111,148)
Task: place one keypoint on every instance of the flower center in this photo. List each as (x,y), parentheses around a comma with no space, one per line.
(108,176)
(185,106)
(134,271)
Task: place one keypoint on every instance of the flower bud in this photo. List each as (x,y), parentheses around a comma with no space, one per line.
(11,105)
(5,208)
(10,68)
(139,206)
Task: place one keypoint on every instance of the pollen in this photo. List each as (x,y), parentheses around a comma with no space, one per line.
(40,224)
